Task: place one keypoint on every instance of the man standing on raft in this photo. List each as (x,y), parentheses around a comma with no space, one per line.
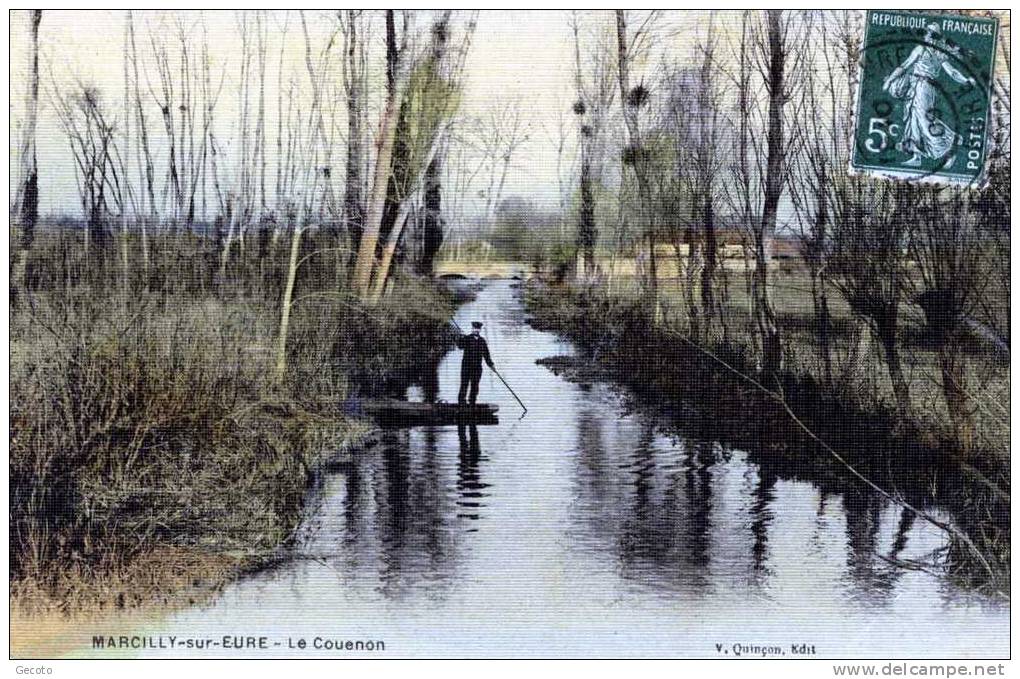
(475,349)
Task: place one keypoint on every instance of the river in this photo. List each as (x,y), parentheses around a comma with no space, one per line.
(584,529)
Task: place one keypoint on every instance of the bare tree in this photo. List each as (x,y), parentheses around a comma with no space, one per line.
(399,74)
(431,102)
(166,99)
(950,252)
(632,100)
(499,133)
(694,118)
(461,167)
(354,27)
(432,223)
(857,230)
(187,100)
(774,68)
(91,139)
(595,90)
(871,231)
(147,200)
(825,101)
(29,191)
(678,184)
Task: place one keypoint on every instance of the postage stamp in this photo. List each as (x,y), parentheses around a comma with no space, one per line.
(924,97)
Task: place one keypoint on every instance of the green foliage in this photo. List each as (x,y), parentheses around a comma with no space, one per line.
(430,100)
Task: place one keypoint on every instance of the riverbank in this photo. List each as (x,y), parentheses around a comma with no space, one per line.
(811,433)
(153,456)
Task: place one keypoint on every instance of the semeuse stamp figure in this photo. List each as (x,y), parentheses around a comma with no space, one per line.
(914,81)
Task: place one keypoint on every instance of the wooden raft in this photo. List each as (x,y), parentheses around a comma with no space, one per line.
(394,412)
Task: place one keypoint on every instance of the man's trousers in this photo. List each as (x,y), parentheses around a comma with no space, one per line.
(469,378)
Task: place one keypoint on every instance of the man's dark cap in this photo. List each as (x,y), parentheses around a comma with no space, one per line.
(476,324)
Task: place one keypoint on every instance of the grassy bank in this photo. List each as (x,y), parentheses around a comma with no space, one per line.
(804,431)
(152,454)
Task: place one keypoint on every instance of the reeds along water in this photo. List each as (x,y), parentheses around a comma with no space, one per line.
(139,409)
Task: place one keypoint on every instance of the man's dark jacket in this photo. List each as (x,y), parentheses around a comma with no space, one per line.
(475,349)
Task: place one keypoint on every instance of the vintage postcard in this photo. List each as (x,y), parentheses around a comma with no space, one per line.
(351,333)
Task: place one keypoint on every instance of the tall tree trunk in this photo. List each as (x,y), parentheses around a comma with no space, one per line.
(768,328)
(260,138)
(690,273)
(228,240)
(816,266)
(638,157)
(389,249)
(402,184)
(382,271)
(399,184)
(432,232)
(377,201)
(125,167)
(354,209)
(29,163)
(706,159)
(145,167)
(288,294)
(708,271)
(823,321)
(586,231)
(772,350)
(857,356)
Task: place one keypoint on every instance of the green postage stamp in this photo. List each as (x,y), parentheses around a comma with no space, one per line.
(924,97)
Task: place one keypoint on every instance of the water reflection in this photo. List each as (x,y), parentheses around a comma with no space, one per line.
(763,496)
(689,516)
(588,518)
(469,476)
(671,516)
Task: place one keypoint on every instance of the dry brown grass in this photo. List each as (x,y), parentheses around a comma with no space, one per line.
(151,452)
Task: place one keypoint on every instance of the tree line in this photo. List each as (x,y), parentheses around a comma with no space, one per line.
(754,128)
(193,139)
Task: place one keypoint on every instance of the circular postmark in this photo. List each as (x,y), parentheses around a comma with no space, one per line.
(926,120)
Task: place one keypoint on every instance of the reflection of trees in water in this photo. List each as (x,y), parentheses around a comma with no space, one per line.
(396,515)
(696,538)
(400,520)
(761,518)
(649,505)
(873,577)
(593,485)
(906,522)
(652,506)
(596,486)
(356,506)
(412,520)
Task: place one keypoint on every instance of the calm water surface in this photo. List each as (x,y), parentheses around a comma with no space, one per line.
(584,530)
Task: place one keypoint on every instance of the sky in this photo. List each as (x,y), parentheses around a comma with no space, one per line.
(520,55)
